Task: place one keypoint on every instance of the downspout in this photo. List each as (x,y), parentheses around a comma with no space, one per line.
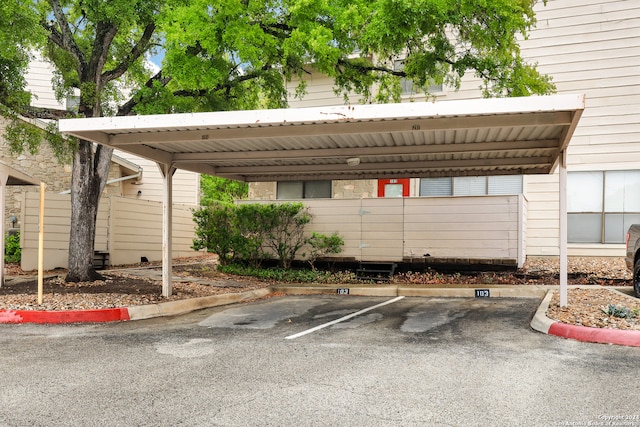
(112,181)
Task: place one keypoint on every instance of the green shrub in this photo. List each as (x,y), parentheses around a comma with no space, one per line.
(321,245)
(284,226)
(215,230)
(12,250)
(253,232)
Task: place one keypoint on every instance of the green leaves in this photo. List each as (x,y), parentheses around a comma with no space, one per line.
(214,188)
(235,54)
(253,232)
(321,245)
(238,54)
(19,32)
(22,136)
(620,311)
(12,249)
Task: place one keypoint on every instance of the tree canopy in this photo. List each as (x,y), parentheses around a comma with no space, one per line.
(240,54)
(217,189)
(19,31)
(231,54)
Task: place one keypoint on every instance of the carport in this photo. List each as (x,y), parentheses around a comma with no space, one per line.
(9,176)
(418,140)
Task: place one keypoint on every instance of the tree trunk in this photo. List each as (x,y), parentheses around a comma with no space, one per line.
(88,179)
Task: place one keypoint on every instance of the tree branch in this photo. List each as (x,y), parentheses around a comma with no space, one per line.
(280,31)
(226,86)
(136,52)
(367,68)
(64,37)
(127,108)
(105,33)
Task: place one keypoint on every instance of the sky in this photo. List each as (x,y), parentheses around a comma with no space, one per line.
(155,61)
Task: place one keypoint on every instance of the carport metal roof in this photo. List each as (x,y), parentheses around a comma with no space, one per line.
(421,139)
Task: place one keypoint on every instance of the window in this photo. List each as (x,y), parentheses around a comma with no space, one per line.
(471,185)
(601,205)
(407,84)
(394,187)
(304,190)
(393,190)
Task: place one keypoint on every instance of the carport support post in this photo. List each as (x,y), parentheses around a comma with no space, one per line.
(563,229)
(167,172)
(4,177)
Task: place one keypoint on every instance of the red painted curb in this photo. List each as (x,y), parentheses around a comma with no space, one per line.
(70,316)
(599,335)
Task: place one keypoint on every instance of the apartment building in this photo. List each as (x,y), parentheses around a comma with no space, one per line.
(589,47)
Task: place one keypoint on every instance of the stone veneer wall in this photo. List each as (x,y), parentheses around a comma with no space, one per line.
(262,190)
(355,189)
(348,189)
(43,166)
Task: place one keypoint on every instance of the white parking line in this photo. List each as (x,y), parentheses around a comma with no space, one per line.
(342,319)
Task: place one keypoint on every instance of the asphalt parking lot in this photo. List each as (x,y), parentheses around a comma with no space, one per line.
(375,318)
(309,361)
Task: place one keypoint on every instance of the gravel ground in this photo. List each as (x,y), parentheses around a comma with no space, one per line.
(124,286)
(198,277)
(586,307)
(593,267)
(589,306)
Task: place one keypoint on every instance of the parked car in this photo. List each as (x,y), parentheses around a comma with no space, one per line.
(633,256)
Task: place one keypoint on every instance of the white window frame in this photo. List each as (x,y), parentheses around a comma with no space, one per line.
(598,210)
(487,187)
(304,190)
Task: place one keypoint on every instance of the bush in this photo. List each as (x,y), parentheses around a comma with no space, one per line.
(214,230)
(12,250)
(251,232)
(285,230)
(321,245)
(250,229)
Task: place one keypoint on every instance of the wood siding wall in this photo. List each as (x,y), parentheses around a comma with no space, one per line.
(186,184)
(590,47)
(485,227)
(39,83)
(126,229)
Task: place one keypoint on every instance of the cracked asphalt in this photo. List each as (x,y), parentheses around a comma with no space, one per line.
(412,362)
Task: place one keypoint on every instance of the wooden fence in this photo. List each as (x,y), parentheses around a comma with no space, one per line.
(486,228)
(127,229)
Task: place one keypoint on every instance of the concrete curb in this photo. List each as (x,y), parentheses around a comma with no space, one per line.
(139,312)
(524,291)
(67,316)
(496,291)
(542,323)
(174,308)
